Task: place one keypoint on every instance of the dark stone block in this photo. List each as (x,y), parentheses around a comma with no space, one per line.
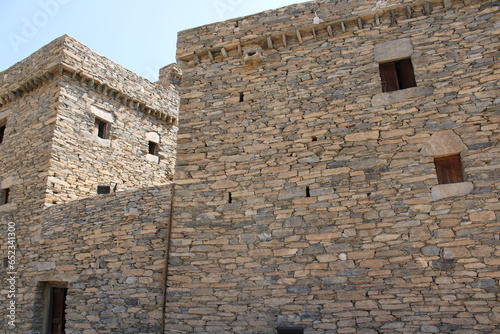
(443,264)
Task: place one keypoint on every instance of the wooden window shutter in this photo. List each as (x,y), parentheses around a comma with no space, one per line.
(389,77)
(406,77)
(449,169)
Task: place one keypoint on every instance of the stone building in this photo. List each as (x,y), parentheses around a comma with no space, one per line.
(88,157)
(337,171)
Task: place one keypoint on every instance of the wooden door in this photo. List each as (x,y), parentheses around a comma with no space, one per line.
(57,310)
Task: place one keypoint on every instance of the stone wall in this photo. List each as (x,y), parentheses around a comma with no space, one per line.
(307,197)
(82,161)
(107,250)
(26,146)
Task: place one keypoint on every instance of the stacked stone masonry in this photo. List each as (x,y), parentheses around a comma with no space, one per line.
(107,251)
(304,196)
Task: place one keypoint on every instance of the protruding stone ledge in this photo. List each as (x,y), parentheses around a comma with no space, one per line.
(383,99)
(391,15)
(450,190)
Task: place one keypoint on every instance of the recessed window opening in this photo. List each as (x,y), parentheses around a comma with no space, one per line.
(4,196)
(101,190)
(242,96)
(308,192)
(290,330)
(153,148)
(2,130)
(230,198)
(102,128)
(397,75)
(449,169)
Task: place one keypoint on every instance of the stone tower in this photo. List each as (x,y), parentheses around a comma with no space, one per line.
(85,145)
(63,107)
(338,171)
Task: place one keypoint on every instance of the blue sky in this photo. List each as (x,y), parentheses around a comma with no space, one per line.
(137,34)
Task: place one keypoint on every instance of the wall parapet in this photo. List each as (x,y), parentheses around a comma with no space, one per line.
(391,15)
(61,60)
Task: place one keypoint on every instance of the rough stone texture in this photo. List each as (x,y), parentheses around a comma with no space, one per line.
(108,250)
(59,117)
(301,198)
(331,224)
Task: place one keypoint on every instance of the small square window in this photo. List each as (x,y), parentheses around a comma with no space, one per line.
(4,196)
(153,148)
(101,128)
(397,75)
(449,169)
(101,190)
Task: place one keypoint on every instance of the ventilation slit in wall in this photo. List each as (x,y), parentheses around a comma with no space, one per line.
(308,192)
(103,190)
(230,198)
(242,96)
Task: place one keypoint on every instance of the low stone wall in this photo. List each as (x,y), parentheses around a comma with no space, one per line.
(109,253)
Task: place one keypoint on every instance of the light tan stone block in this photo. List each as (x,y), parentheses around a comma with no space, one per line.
(450,190)
(443,143)
(393,50)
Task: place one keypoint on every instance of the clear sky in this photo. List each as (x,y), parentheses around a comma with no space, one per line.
(137,34)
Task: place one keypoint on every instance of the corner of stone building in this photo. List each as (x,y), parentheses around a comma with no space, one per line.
(170,77)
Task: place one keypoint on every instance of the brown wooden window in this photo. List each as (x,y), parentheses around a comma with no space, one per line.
(101,128)
(449,169)
(397,75)
(4,196)
(57,310)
